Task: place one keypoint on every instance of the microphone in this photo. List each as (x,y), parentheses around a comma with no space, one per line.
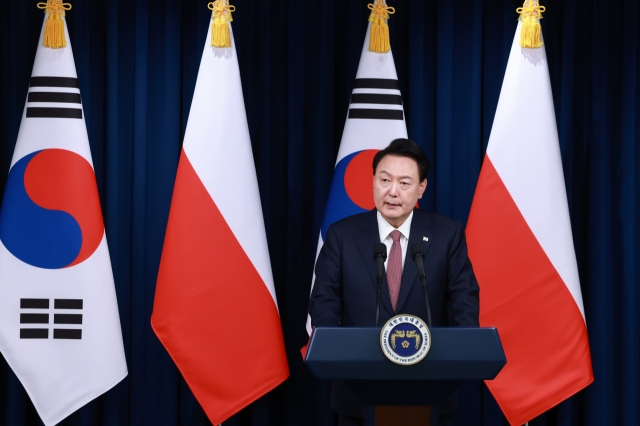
(417,253)
(379,255)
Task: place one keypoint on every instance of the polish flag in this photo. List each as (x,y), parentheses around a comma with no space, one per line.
(520,244)
(215,308)
(375,118)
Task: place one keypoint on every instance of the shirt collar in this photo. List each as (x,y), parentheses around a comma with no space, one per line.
(385,227)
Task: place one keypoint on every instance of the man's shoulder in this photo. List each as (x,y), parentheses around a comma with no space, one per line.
(368,221)
(436,219)
(356,221)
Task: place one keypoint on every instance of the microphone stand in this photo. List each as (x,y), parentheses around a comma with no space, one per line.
(379,255)
(379,286)
(418,257)
(423,280)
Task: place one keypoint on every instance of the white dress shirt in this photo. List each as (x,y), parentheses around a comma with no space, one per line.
(385,229)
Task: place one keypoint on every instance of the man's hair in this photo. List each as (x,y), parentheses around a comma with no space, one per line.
(405,148)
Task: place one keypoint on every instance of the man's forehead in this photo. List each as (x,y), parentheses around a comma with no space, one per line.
(399,164)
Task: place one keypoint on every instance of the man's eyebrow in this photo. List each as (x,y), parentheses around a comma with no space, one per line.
(399,177)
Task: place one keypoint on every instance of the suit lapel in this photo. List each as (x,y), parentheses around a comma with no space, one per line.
(366,241)
(368,238)
(420,231)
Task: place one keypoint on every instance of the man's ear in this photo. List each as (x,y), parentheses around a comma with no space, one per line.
(423,187)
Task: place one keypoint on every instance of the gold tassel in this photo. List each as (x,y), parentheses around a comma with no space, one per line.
(379,37)
(220,19)
(54,25)
(530,15)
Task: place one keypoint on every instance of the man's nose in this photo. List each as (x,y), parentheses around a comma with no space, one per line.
(393,190)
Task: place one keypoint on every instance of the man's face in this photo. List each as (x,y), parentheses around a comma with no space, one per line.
(397,188)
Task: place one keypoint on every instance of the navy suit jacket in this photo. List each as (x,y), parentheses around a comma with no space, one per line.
(344,292)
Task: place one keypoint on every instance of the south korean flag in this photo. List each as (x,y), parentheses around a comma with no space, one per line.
(375,118)
(59,323)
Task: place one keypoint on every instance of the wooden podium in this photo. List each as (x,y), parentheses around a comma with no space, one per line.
(401,394)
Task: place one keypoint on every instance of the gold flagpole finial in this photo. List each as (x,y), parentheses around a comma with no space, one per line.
(54,26)
(221,17)
(530,14)
(379,37)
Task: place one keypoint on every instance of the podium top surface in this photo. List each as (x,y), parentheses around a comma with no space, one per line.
(354,353)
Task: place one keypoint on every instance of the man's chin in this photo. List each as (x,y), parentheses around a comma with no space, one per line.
(393,216)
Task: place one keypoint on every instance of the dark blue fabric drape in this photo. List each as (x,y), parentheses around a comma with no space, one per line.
(137,62)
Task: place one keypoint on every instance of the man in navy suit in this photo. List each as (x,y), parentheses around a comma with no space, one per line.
(344,292)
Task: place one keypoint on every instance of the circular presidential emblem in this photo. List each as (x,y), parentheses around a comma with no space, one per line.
(405,339)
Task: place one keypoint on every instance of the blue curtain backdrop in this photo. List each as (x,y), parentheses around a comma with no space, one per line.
(137,62)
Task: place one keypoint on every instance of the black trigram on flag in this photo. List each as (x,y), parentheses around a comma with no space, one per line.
(34,323)
(376,99)
(61,90)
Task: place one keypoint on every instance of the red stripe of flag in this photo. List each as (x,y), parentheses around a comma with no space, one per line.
(541,327)
(212,311)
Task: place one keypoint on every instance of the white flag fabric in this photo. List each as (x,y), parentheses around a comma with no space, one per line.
(59,323)
(520,243)
(375,118)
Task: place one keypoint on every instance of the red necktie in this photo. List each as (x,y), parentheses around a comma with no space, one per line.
(394,269)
